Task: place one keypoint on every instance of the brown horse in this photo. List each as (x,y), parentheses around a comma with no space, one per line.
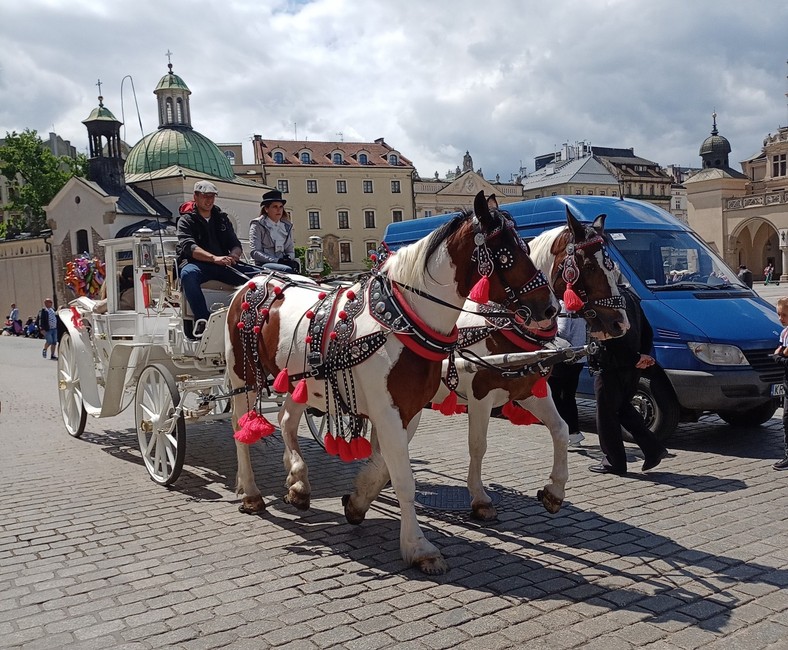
(374,351)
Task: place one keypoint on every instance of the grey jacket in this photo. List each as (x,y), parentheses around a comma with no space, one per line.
(262,244)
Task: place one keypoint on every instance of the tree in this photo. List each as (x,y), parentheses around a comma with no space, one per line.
(35,176)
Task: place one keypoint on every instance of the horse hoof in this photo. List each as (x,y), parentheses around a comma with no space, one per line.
(352,515)
(484,512)
(432,566)
(298,500)
(252,505)
(551,503)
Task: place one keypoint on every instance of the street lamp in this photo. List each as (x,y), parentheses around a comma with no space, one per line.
(46,234)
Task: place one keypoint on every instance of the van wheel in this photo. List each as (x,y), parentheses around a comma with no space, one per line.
(656,402)
(754,416)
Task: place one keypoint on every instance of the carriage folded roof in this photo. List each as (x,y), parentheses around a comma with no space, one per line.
(537,215)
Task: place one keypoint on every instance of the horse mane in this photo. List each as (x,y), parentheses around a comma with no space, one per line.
(409,265)
(541,246)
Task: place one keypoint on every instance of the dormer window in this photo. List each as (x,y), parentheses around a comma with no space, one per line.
(362,159)
(393,159)
(336,158)
(279,157)
(305,158)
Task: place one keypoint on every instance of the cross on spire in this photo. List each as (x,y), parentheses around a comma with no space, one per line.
(101,99)
(169,54)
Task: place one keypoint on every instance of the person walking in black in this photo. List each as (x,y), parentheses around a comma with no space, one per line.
(617,367)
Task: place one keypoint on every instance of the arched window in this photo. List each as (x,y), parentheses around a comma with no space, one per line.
(362,159)
(337,158)
(306,158)
(393,159)
(83,244)
(179,111)
(279,157)
(168,108)
(230,157)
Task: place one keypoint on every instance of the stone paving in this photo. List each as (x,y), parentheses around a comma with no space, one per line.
(95,555)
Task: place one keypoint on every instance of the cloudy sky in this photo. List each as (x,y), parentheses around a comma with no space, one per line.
(505,79)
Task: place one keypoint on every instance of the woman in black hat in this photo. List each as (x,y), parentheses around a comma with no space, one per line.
(271,236)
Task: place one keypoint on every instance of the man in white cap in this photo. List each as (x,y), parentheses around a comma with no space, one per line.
(208,249)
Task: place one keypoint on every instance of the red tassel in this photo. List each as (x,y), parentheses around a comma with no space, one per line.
(282,382)
(361,448)
(481,291)
(343,447)
(76,319)
(539,389)
(517,414)
(572,301)
(448,406)
(300,393)
(330,443)
(253,426)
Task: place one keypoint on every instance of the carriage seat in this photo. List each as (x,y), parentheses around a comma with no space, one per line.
(217,295)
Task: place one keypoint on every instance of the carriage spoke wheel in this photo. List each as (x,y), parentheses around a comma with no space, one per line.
(69,390)
(161,435)
(319,424)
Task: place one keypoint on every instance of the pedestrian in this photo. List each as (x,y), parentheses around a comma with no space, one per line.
(565,376)
(616,368)
(208,249)
(745,275)
(47,323)
(781,357)
(768,272)
(271,236)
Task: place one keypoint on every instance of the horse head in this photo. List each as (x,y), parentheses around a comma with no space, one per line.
(495,266)
(585,276)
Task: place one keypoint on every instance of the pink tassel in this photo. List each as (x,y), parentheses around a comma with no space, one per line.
(517,414)
(330,443)
(572,301)
(448,406)
(282,382)
(361,448)
(253,427)
(343,447)
(300,393)
(481,291)
(539,389)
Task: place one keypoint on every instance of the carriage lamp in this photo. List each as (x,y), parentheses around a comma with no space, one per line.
(314,256)
(146,250)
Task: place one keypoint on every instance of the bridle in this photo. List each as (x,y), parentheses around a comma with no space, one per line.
(569,271)
(491,254)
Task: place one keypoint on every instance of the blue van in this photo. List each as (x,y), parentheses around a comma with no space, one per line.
(712,334)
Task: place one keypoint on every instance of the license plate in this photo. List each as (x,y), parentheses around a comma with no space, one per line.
(778,390)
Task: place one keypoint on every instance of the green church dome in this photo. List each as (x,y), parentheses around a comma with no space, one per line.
(178,146)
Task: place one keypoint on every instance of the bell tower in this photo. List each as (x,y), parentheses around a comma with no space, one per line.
(105,164)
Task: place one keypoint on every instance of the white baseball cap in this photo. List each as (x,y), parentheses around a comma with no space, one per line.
(205,187)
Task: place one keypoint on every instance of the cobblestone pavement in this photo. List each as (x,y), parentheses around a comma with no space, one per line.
(95,555)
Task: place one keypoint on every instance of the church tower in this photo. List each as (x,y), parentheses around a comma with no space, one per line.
(105,164)
(715,149)
(172,93)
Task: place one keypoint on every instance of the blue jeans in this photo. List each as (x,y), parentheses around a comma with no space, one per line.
(194,274)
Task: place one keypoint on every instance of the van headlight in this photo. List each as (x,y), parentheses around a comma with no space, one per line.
(717,354)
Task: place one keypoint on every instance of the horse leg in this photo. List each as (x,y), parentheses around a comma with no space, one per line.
(552,495)
(252,502)
(482,508)
(299,490)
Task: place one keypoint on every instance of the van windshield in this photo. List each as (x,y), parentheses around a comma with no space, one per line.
(666,260)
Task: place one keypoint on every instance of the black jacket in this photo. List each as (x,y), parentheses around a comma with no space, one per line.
(624,352)
(216,235)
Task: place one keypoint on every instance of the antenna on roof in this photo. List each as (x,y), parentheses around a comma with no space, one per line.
(295,129)
(341,136)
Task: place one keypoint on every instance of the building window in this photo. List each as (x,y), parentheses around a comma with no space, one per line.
(230,157)
(370,246)
(778,165)
(641,190)
(362,159)
(590,192)
(576,192)
(344,252)
(306,159)
(82,241)
(651,190)
(168,108)
(602,193)
(395,187)
(343,219)
(393,159)
(428,213)
(341,187)
(678,204)
(311,186)
(367,187)
(314,220)
(613,193)
(336,158)
(179,113)
(396,216)
(279,157)
(283,186)
(554,194)
(369,218)
(629,189)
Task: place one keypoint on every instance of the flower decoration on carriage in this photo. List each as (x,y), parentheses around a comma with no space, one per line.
(85,275)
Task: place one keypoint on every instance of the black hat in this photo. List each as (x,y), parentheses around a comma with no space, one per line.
(271,197)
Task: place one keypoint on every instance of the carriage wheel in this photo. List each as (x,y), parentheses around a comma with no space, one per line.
(319,424)
(69,390)
(161,435)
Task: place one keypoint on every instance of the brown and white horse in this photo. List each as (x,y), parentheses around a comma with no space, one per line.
(574,254)
(278,328)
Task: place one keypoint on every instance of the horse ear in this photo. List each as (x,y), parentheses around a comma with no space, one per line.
(574,226)
(481,210)
(599,224)
(492,202)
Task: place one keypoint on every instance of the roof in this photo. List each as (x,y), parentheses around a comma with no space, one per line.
(101,114)
(582,170)
(713,173)
(177,171)
(321,152)
(171,80)
(181,146)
